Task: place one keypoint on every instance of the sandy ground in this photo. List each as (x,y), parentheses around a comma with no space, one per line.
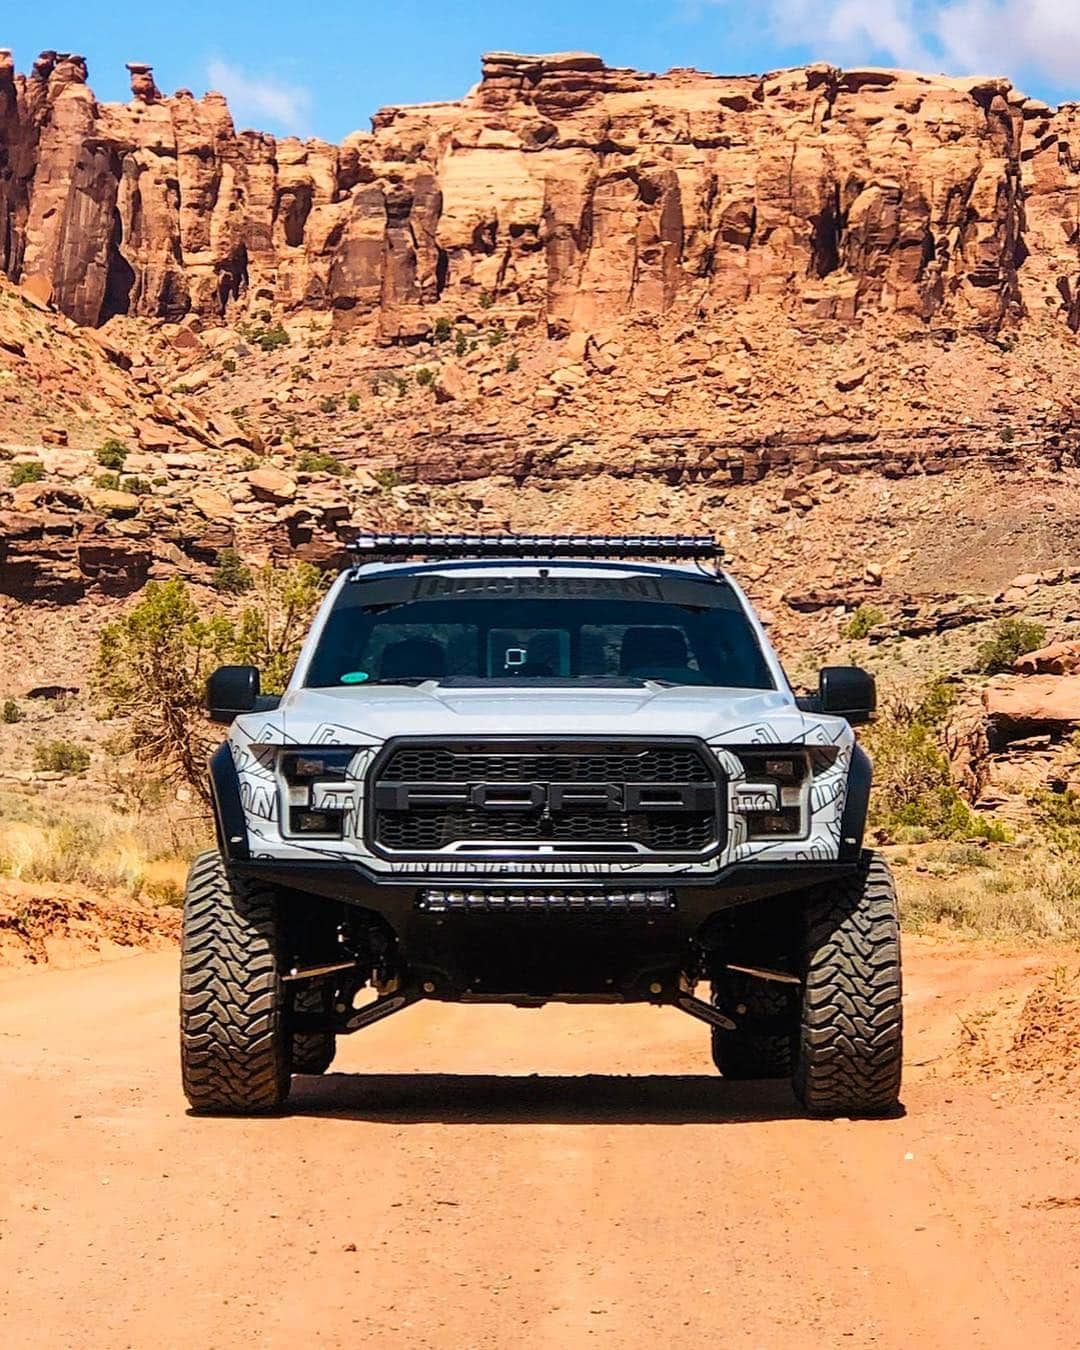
(475,1177)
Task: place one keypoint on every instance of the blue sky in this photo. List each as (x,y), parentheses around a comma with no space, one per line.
(322,69)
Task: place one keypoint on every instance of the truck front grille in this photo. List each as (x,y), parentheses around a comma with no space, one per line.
(564,797)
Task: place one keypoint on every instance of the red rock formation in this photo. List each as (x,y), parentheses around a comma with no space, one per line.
(567,192)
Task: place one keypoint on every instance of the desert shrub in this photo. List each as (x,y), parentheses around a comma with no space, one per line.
(109,481)
(134,484)
(328,404)
(33,471)
(387,478)
(111,453)
(270,630)
(317,461)
(353,402)
(1010,639)
(514,363)
(153,664)
(425,375)
(231,575)
(11,712)
(152,667)
(402,386)
(914,794)
(270,339)
(229,365)
(1008,435)
(442,330)
(461,344)
(497,336)
(61,757)
(862,621)
(486,300)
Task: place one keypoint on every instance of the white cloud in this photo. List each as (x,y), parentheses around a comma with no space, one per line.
(254,98)
(1042,36)
(962,36)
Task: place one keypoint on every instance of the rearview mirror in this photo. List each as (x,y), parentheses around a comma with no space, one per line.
(230,691)
(848,692)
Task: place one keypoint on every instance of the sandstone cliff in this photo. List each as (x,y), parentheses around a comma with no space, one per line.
(559,190)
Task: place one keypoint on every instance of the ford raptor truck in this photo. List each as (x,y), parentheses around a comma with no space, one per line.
(533,769)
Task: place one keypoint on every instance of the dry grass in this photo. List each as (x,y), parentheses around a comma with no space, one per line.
(99,848)
(1025,891)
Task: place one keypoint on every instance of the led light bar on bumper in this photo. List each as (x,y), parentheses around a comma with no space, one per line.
(317,792)
(442,900)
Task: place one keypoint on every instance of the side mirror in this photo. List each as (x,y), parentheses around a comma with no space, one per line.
(848,692)
(230,691)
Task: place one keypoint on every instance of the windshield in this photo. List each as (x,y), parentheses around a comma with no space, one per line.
(552,629)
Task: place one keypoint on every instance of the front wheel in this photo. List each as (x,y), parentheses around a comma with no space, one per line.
(234,1041)
(850,1041)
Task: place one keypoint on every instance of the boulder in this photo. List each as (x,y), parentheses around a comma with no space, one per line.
(271,485)
(1025,706)
(1061,658)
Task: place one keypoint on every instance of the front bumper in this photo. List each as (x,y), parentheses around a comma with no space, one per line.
(399,900)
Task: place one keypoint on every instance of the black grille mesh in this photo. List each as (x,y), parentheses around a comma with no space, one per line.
(426,829)
(600,764)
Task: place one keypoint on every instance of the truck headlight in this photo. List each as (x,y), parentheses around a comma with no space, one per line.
(774,800)
(317,790)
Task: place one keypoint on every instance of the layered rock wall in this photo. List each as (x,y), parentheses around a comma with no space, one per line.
(564,192)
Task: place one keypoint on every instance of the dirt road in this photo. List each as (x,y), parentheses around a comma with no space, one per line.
(475,1177)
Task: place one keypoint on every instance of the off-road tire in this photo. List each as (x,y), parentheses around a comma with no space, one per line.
(849,1047)
(742,1055)
(234,1045)
(312,1052)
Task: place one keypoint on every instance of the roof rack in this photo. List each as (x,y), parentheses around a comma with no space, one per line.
(369,547)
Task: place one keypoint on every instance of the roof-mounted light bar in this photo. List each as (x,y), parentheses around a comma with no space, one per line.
(368,547)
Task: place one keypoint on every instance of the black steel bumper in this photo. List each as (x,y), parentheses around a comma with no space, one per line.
(695,899)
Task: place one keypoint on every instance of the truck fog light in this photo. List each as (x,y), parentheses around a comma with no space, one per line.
(302,820)
(768,824)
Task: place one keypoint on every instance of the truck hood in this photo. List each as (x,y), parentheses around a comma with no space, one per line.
(373,715)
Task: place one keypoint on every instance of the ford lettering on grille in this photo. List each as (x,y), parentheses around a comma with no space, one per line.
(563,797)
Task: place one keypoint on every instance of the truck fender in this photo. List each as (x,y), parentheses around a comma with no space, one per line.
(853,821)
(229,819)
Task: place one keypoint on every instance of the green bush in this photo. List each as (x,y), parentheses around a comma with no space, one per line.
(135,485)
(425,375)
(61,757)
(229,365)
(109,481)
(112,453)
(862,621)
(31,472)
(387,478)
(1011,639)
(317,461)
(914,794)
(442,330)
(328,405)
(153,664)
(271,339)
(232,576)
(461,344)
(11,712)
(353,402)
(497,337)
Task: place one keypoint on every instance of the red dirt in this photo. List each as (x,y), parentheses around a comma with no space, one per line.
(488,1177)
